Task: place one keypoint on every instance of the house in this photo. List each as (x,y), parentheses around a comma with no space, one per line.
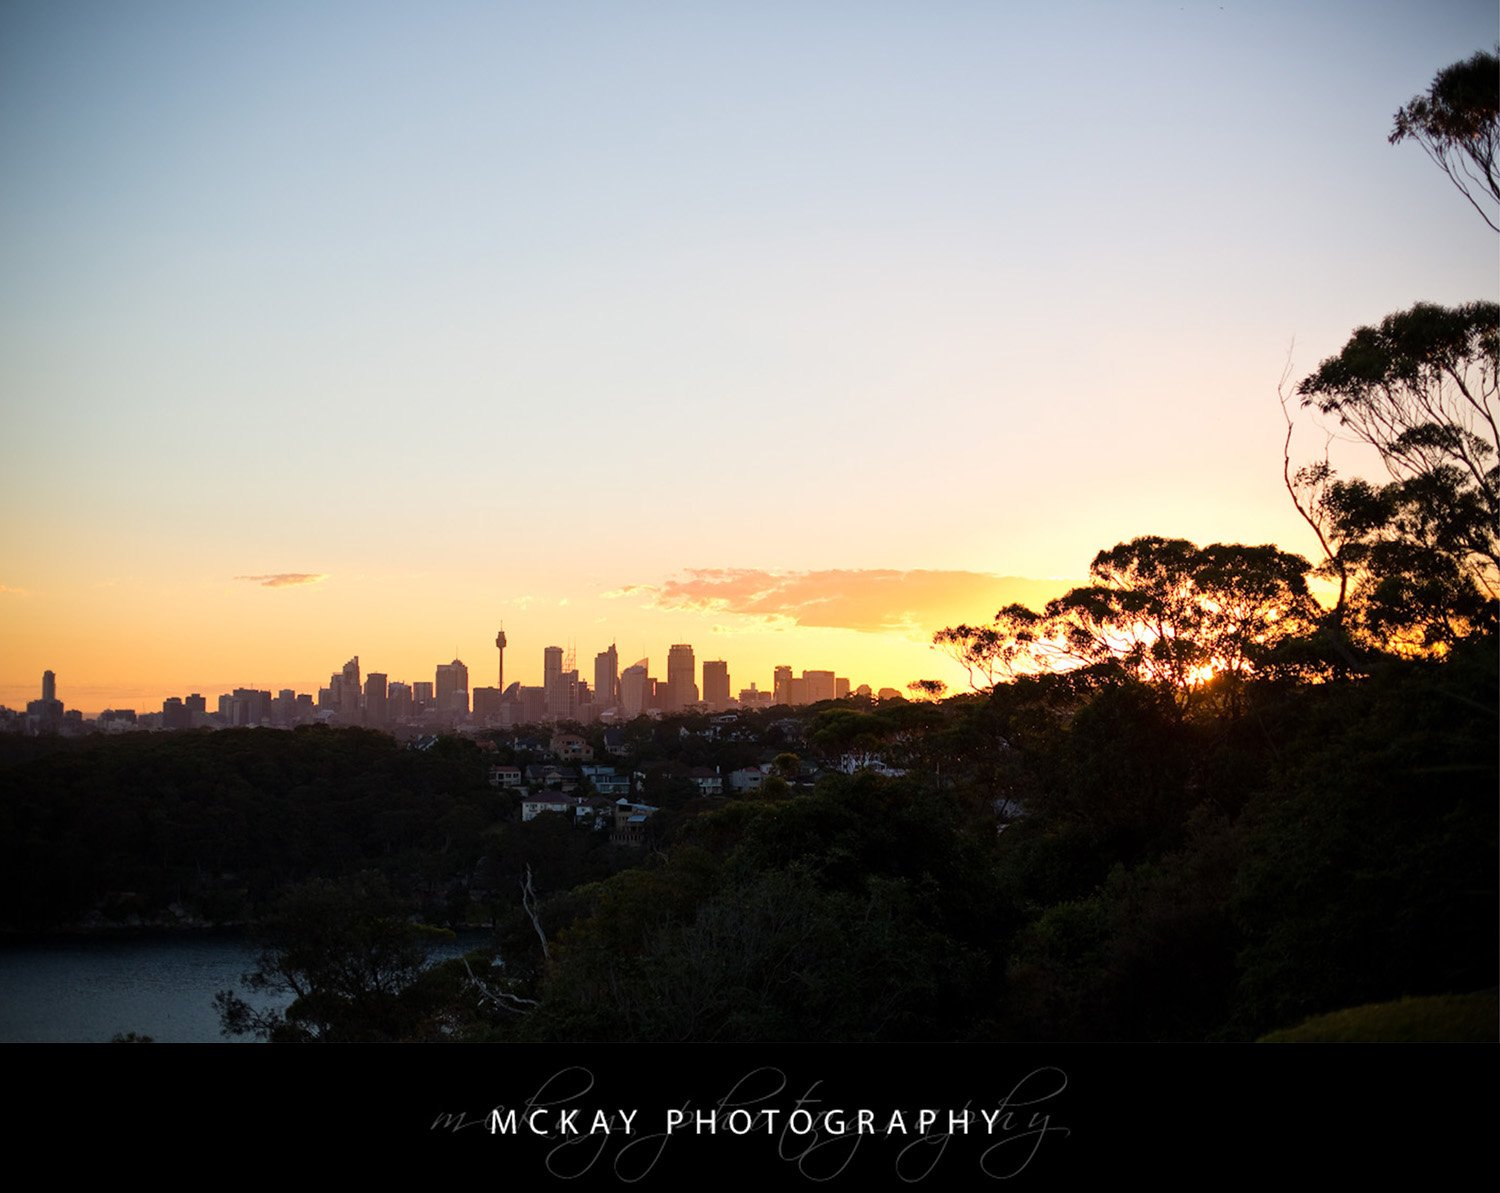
(505,776)
(582,810)
(707,779)
(546,774)
(630,822)
(851,763)
(606,782)
(570,748)
(747,778)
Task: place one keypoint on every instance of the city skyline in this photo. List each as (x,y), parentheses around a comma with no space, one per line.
(794,332)
(379,701)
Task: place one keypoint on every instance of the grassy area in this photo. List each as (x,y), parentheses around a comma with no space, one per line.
(1467,1018)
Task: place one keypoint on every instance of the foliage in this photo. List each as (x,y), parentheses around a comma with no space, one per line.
(1457,123)
(1163,611)
(210,826)
(1417,559)
(349,957)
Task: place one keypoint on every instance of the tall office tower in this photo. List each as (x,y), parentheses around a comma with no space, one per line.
(398,701)
(452,690)
(533,705)
(500,646)
(376,706)
(197,710)
(349,692)
(781,685)
(682,682)
(49,708)
(562,696)
(634,697)
(841,689)
(551,664)
(421,697)
(607,678)
(173,715)
(716,684)
(486,705)
(818,685)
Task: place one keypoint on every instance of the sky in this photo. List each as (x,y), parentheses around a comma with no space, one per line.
(793,331)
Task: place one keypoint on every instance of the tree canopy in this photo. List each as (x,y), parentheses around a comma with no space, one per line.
(1458,124)
(1164,611)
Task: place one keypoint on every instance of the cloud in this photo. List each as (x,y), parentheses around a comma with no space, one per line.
(7,590)
(871,600)
(285,579)
(615,594)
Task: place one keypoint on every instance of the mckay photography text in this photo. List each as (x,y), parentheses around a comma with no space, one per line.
(805,1123)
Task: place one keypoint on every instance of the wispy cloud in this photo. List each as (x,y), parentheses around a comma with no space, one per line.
(872,600)
(285,579)
(627,590)
(8,590)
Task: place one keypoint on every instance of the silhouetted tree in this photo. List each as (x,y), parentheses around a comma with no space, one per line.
(1458,124)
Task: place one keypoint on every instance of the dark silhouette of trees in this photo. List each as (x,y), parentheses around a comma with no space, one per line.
(1417,558)
(348,954)
(1457,123)
(1163,611)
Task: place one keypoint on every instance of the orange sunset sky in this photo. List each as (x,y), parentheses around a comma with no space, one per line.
(791,331)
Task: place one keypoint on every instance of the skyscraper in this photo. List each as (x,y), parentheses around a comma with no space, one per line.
(682,683)
(551,664)
(634,696)
(781,685)
(607,678)
(375,699)
(452,689)
(818,685)
(349,692)
(716,684)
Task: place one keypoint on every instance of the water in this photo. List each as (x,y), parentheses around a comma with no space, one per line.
(162,986)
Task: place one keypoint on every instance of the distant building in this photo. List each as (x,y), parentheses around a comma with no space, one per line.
(635,696)
(348,692)
(753,697)
(818,685)
(716,684)
(452,689)
(487,705)
(607,678)
(781,685)
(376,704)
(562,695)
(682,681)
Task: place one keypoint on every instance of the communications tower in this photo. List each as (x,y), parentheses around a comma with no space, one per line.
(500,646)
